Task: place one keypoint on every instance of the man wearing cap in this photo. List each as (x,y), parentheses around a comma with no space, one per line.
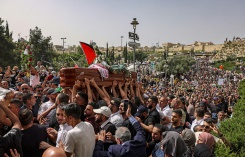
(46,109)
(115,118)
(146,121)
(102,116)
(125,146)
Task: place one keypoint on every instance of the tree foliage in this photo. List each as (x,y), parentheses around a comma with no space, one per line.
(176,65)
(40,45)
(234,129)
(8,55)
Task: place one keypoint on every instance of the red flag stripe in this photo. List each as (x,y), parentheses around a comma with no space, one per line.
(89,52)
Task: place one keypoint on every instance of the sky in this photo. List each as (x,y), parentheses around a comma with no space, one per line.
(160,21)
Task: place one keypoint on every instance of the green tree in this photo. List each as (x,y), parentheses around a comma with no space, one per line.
(176,65)
(40,45)
(7,54)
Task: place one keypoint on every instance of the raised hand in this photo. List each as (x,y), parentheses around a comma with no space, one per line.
(102,135)
(77,84)
(13,153)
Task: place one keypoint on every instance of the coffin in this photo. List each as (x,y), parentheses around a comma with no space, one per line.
(68,76)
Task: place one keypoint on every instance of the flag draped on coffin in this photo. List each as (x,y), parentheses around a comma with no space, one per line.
(89,52)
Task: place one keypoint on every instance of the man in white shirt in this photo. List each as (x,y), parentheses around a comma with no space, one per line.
(115,118)
(80,140)
(34,77)
(165,111)
(198,114)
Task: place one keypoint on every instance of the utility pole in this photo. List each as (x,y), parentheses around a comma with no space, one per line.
(121,42)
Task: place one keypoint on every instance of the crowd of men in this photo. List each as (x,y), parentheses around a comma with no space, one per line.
(154,117)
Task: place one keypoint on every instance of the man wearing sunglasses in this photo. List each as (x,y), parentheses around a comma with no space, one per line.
(25,88)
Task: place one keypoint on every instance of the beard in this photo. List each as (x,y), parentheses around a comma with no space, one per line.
(149,107)
(98,120)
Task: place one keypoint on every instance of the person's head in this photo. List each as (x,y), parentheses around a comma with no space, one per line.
(29,99)
(189,137)
(207,115)
(202,105)
(221,115)
(136,101)
(122,135)
(18,96)
(54,152)
(52,94)
(102,114)
(72,113)
(198,128)
(157,131)
(15,105)
(26,117)
(25,88)
(60,113)
(62,98)
(39,63)
(176,117)
(208,123)
(163,102)
(114,105)
(207,139)
(199,113)
(152,102)
(89,110)
(176,104)
(81,99)
(142,112)
(216,100)
(38,89)
(5,84)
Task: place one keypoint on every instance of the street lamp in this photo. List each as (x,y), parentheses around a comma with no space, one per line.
(121,42)
(134,23)
(63,48)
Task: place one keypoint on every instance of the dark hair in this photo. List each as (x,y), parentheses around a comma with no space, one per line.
(209,120)
(200,112)
(62,105)
(208,113)
(26,96)
(154,99)
(83,96)
(161,128)
(73,110)
(17,102)
(178,112)
(137,101)
(25,116)
(63,98)
(94,105)
(195,128)
(37,86)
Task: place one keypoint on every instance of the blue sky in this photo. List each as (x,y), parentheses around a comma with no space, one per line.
(183,21)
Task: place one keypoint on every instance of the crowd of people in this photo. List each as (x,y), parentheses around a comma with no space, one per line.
(145,117)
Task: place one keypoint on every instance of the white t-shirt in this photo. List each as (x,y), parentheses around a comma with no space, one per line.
(34,80)
(64,128)
(80,140)
(116,119)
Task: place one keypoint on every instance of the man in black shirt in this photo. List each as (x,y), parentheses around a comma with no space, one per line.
(152,103)
(11,140)
(146,121)
(102,116)
(176,121)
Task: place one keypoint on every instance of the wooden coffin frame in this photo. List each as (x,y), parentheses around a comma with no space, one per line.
(68,76)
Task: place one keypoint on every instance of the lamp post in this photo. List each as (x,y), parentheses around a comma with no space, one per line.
(121,42)
(63,49)
(134,23)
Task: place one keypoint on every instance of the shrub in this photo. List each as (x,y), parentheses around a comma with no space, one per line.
(234,129)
